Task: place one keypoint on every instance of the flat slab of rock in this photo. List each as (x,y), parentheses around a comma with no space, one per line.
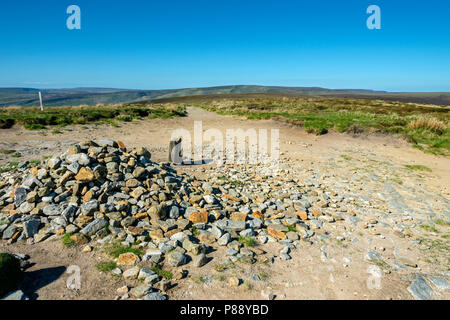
(420,289)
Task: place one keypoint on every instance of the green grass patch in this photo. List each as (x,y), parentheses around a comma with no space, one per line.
(5,151)
(247,241)
(221,267)
(429,228)
(161,272)
(117,249)
(67,242)
(35,119)
(291,228)
(442,222)
(198,279)
(263,276)
(106,266)
(194,231)
(417,167)
(346,157)
(424,126)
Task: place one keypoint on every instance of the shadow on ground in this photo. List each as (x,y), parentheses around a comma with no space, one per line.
(35,280)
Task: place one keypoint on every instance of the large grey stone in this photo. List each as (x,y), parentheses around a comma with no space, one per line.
(94,226)
(155,296)
(20,195)
(440,282)
(88,208)
(31,227)
(177,259)
(52,210)
(420,289)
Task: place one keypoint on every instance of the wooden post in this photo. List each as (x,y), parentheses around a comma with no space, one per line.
(40,100)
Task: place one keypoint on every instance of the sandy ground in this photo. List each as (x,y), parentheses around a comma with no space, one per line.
(307,276)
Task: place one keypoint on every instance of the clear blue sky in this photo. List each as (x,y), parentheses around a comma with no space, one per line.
(191,43)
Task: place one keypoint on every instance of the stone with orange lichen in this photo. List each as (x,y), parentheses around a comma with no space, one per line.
(276,234)
(238,216)
(85,175)
(231,198)
(316,213)
(302,215)
(141,215)
(258,215)
(88,196)
(199,217)
(79,239)
(127,259)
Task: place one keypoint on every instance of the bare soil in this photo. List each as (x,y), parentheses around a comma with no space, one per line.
(307,276)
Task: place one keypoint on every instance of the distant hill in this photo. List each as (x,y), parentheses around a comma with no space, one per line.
(93,96)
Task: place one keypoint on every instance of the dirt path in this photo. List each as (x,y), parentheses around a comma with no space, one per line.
(371,168)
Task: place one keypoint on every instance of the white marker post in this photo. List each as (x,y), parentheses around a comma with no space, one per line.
(40,100)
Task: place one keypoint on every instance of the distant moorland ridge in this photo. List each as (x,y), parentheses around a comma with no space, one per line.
(94,96)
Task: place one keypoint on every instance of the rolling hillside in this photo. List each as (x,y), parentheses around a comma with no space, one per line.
(93,96)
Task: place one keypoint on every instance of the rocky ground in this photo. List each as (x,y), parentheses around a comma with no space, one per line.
(344,218)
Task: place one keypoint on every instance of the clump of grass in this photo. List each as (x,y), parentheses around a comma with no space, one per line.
(346,157)
(117,249)
(428,123)
(291,228)
(106,266)
(417,167)
(397,181)
(221,267)
(429,228)
(436,251)
(198,279)
(247,241)
(3,151)
(219,277)
(35,119)
(425,126)
(263,275)
(56,131)
(16,155)
(10,166)
(162,273)
(194,231)
(67,241)
(236,183)
(442,222)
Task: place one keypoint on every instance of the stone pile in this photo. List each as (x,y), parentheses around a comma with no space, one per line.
(102,191)
(97,189)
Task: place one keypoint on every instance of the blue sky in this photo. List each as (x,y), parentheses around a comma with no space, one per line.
(179,43)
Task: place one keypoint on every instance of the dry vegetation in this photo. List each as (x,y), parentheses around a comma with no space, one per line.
(34,119)
(426,126)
